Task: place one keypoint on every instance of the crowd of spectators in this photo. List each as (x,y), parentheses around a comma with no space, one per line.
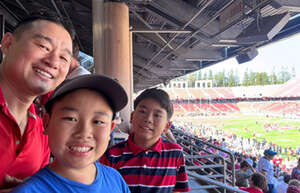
(252,157)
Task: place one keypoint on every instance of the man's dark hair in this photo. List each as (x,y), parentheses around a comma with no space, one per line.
(42,14)
(286,178)
(244,164)
(258,180)
(158,95)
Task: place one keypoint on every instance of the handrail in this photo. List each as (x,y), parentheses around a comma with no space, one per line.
(215,182)
(194,148)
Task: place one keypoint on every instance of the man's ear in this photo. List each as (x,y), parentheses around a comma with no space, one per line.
(6,42)
(46,119)
(168,126)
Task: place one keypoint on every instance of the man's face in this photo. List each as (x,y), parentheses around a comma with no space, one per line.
(79,129)
(37,60)
(149,120)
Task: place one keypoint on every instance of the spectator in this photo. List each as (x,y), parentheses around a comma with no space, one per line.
(242,175)
(294,186)
(78,133)
(257,184)
(282,186)
(146,162)
(76,69)
(296,171)
(169,135)
(37,57)
(265,167)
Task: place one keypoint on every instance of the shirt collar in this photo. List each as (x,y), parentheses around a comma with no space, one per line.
(31,110)
(135,149)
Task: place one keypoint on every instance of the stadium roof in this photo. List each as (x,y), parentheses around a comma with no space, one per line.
(174,37)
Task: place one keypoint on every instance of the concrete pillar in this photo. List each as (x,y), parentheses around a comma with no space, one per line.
(117,60)
(98,35)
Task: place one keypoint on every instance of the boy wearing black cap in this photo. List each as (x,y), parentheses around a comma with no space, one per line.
(146,161)
(78,124)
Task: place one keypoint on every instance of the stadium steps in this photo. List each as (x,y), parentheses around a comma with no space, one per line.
(197,187)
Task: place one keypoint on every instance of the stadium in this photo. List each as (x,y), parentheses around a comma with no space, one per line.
(154,43)
(243,120)
(270,112)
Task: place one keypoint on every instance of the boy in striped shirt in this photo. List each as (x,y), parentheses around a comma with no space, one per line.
(146,161)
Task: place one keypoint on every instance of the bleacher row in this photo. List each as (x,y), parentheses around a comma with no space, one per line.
(193,99)
(283,107)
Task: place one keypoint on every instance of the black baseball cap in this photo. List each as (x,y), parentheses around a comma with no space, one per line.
(111,89)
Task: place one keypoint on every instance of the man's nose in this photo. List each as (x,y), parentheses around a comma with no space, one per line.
(53,59)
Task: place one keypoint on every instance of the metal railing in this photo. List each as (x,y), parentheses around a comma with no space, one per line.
(212,169)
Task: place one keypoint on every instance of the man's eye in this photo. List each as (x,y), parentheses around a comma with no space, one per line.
(69,118)
(65,59)
(44,47)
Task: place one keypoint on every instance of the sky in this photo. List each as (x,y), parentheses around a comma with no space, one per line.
(271,57)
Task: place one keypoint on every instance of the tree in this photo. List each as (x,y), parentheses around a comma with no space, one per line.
(231,79)
(210,75)
(205,76)
(252,78)
(273,77)
(258,79)
(264,79)
(284,75)
(220,79)
(191,80)
(293,72)
(246,81)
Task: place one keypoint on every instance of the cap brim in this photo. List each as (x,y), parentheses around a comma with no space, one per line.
(109,88)
(270,152)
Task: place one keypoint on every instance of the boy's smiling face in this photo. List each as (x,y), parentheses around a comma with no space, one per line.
(149,120)
(78,129)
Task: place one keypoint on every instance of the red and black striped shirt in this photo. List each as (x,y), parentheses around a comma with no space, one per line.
(159,169)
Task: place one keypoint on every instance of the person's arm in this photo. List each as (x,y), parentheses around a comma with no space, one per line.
(10,183)
(181,176)
(251,167)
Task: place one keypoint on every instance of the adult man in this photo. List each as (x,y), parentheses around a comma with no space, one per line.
(37,58)
(265,167)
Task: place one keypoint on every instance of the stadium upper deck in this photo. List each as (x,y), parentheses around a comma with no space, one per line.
(288,90)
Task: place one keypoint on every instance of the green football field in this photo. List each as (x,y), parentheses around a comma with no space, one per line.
(287,136)
(245,125)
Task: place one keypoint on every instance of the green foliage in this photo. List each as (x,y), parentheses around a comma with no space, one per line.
(231,78)
(191,80)
(246,80)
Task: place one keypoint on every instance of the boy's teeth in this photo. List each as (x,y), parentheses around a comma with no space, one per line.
(80,149)
(44,73)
